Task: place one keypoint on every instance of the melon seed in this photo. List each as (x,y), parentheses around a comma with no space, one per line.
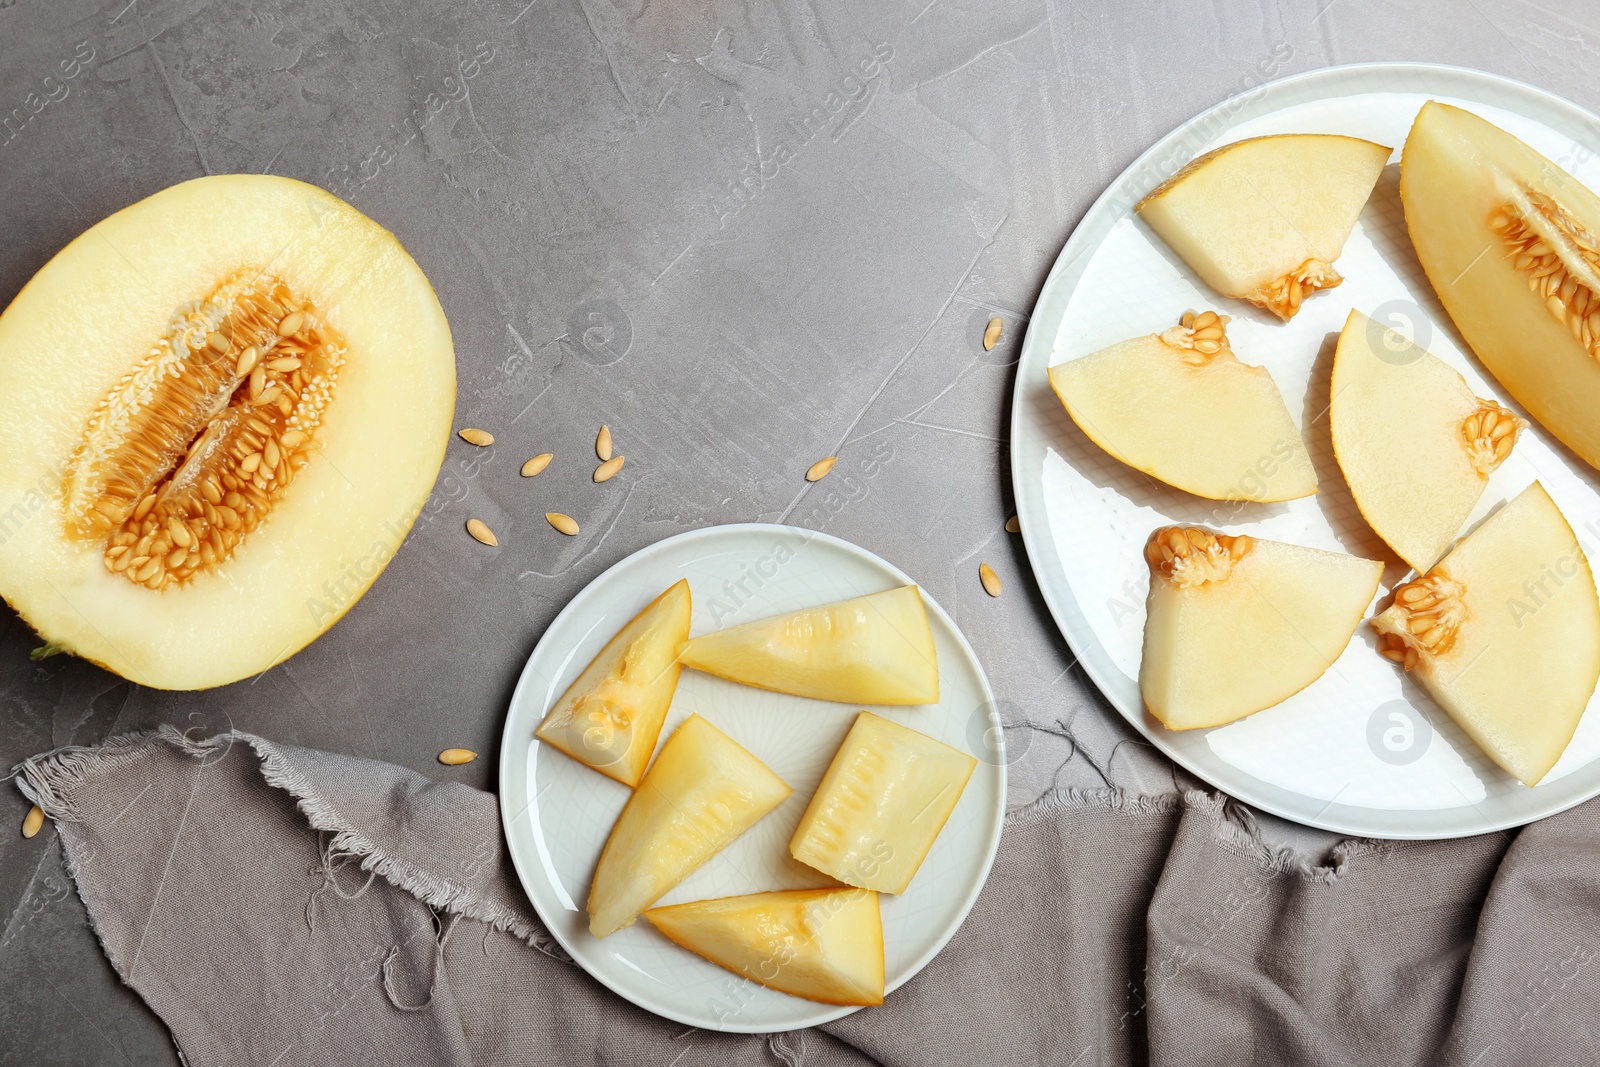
(608,470)
(33,822)
(481,532)
(990,580)
(602,444)
(537,464)
(454,757)
(474,436)
(991,335)
(819,470)
(562,523)
(1013,525)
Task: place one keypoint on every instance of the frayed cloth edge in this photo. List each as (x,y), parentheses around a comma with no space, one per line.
(1233,826)
(49,778)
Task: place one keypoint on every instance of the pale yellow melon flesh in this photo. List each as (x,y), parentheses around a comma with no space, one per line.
(874,649)
(1188,412)
(1414,443)
(1508,240)
(881,805)
(821,944)
(1504,633)
(1238,624)
(1265,218)
(703,791)
(611,715)
(106,351)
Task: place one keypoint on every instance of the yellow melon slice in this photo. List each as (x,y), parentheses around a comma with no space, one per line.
(1236,624)
(874,649)
(220,410)
(881,805)
(610,716)
(1414,443)
(1179,406)
(703,790)
(821,944)
(1505,634)
(1509,241)
(1264,219)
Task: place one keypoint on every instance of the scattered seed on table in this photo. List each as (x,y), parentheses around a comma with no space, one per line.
(537,464)
(990,580)
(1013,525)
(819,470)
(481,532)
(474,436)
(602,444)
(991,336)
(33,822)
(454,757)
(608,470)
(563,523)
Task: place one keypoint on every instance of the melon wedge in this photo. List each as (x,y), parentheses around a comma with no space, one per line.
(1414,443)
(703,791)
(1179,406)
(1508,240)
(875,649)
(821,944)
(610,717)
(1236,624)
(1504,633)
(220,411)
(881,805)
(1264,219)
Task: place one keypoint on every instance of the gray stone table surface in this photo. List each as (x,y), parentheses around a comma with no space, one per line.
(745,235)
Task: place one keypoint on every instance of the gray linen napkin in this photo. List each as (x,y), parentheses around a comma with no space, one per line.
(278,905)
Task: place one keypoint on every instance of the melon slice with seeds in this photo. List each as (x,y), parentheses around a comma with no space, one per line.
(1414,443)
(1511,243)
(1180,406)
(1265,218)
(821,944)
(1237,624)
(1504,633)
(610,716)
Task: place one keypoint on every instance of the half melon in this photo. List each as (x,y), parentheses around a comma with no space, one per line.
(220,411)
(1511,243)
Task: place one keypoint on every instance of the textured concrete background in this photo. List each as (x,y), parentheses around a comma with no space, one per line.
(745,235)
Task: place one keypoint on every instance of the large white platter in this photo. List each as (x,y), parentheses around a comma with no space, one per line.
(557,813)
(1363,750)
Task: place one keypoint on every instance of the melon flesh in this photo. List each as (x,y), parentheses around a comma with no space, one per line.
(881,805)
(703,791)
(1238,624)
(1181,407)
(874,649)
(1265,218)
(220,411)
(1414,443)
(1508,240)
(610,716)
(1504,633)
(821,944)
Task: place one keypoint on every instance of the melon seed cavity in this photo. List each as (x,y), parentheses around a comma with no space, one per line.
(193,448)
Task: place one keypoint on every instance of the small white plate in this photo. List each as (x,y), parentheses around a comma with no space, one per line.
(1362,750)
(558,813)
